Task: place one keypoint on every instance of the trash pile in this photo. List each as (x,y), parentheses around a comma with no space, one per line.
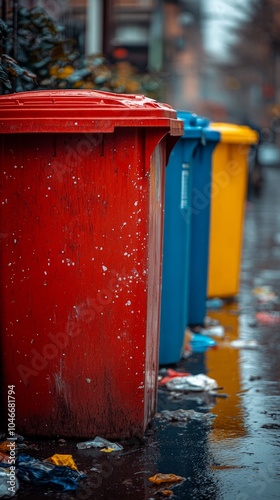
(267,300)
(202,338)
(199,339)
(58,470)
(178,383)
(267,306)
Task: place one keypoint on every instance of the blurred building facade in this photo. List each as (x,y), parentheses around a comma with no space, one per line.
(162,37)
(166,38)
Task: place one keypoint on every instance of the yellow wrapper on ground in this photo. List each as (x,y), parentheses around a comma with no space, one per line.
(66,460)
(165,478)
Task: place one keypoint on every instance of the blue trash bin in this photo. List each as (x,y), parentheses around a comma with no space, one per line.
(200,223)
(175,270)
(186,225)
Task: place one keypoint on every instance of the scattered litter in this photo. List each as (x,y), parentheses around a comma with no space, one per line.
(269,318)
(97,469)
(265,294)
(200,343)
(165,478)
(35,471)
(209,322)
(215,303)
(183,416)
(141,472)
(8,485)
(170,374)
(62,460)
(187,353)
(213,331)
(244,344)
(100,442)
(195,383)
(5,446)
(4,458)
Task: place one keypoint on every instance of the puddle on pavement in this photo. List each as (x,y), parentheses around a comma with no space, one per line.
(240,438)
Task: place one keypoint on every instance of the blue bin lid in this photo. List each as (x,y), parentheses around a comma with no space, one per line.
(196,126)
(192,130)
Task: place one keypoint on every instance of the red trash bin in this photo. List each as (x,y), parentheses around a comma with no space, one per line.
(82,219)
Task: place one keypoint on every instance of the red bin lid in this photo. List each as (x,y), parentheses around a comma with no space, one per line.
(77,111)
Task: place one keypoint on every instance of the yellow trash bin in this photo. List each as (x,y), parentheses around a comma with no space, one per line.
(229,185)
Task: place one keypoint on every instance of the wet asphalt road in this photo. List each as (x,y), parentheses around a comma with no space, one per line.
(237,456)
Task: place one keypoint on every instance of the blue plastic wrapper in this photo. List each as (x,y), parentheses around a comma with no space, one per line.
(200,343)
(215,303)
(34,471)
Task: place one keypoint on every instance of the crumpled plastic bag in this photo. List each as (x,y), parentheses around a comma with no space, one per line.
(194,383)
(100,442)
(35,471)
(7,490)
(66,460)
(170,374)
(201,343)
(182,415)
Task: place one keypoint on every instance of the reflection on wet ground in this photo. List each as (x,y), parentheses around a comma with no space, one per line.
(236,455)
(245,434)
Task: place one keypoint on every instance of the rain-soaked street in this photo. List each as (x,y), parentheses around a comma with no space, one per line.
(234,455)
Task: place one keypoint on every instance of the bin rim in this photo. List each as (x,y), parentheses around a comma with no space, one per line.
(235,134)
(191,131)
(212,135)
(83,110)
(196,126)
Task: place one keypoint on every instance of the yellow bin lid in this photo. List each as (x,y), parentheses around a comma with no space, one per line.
(231,133)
